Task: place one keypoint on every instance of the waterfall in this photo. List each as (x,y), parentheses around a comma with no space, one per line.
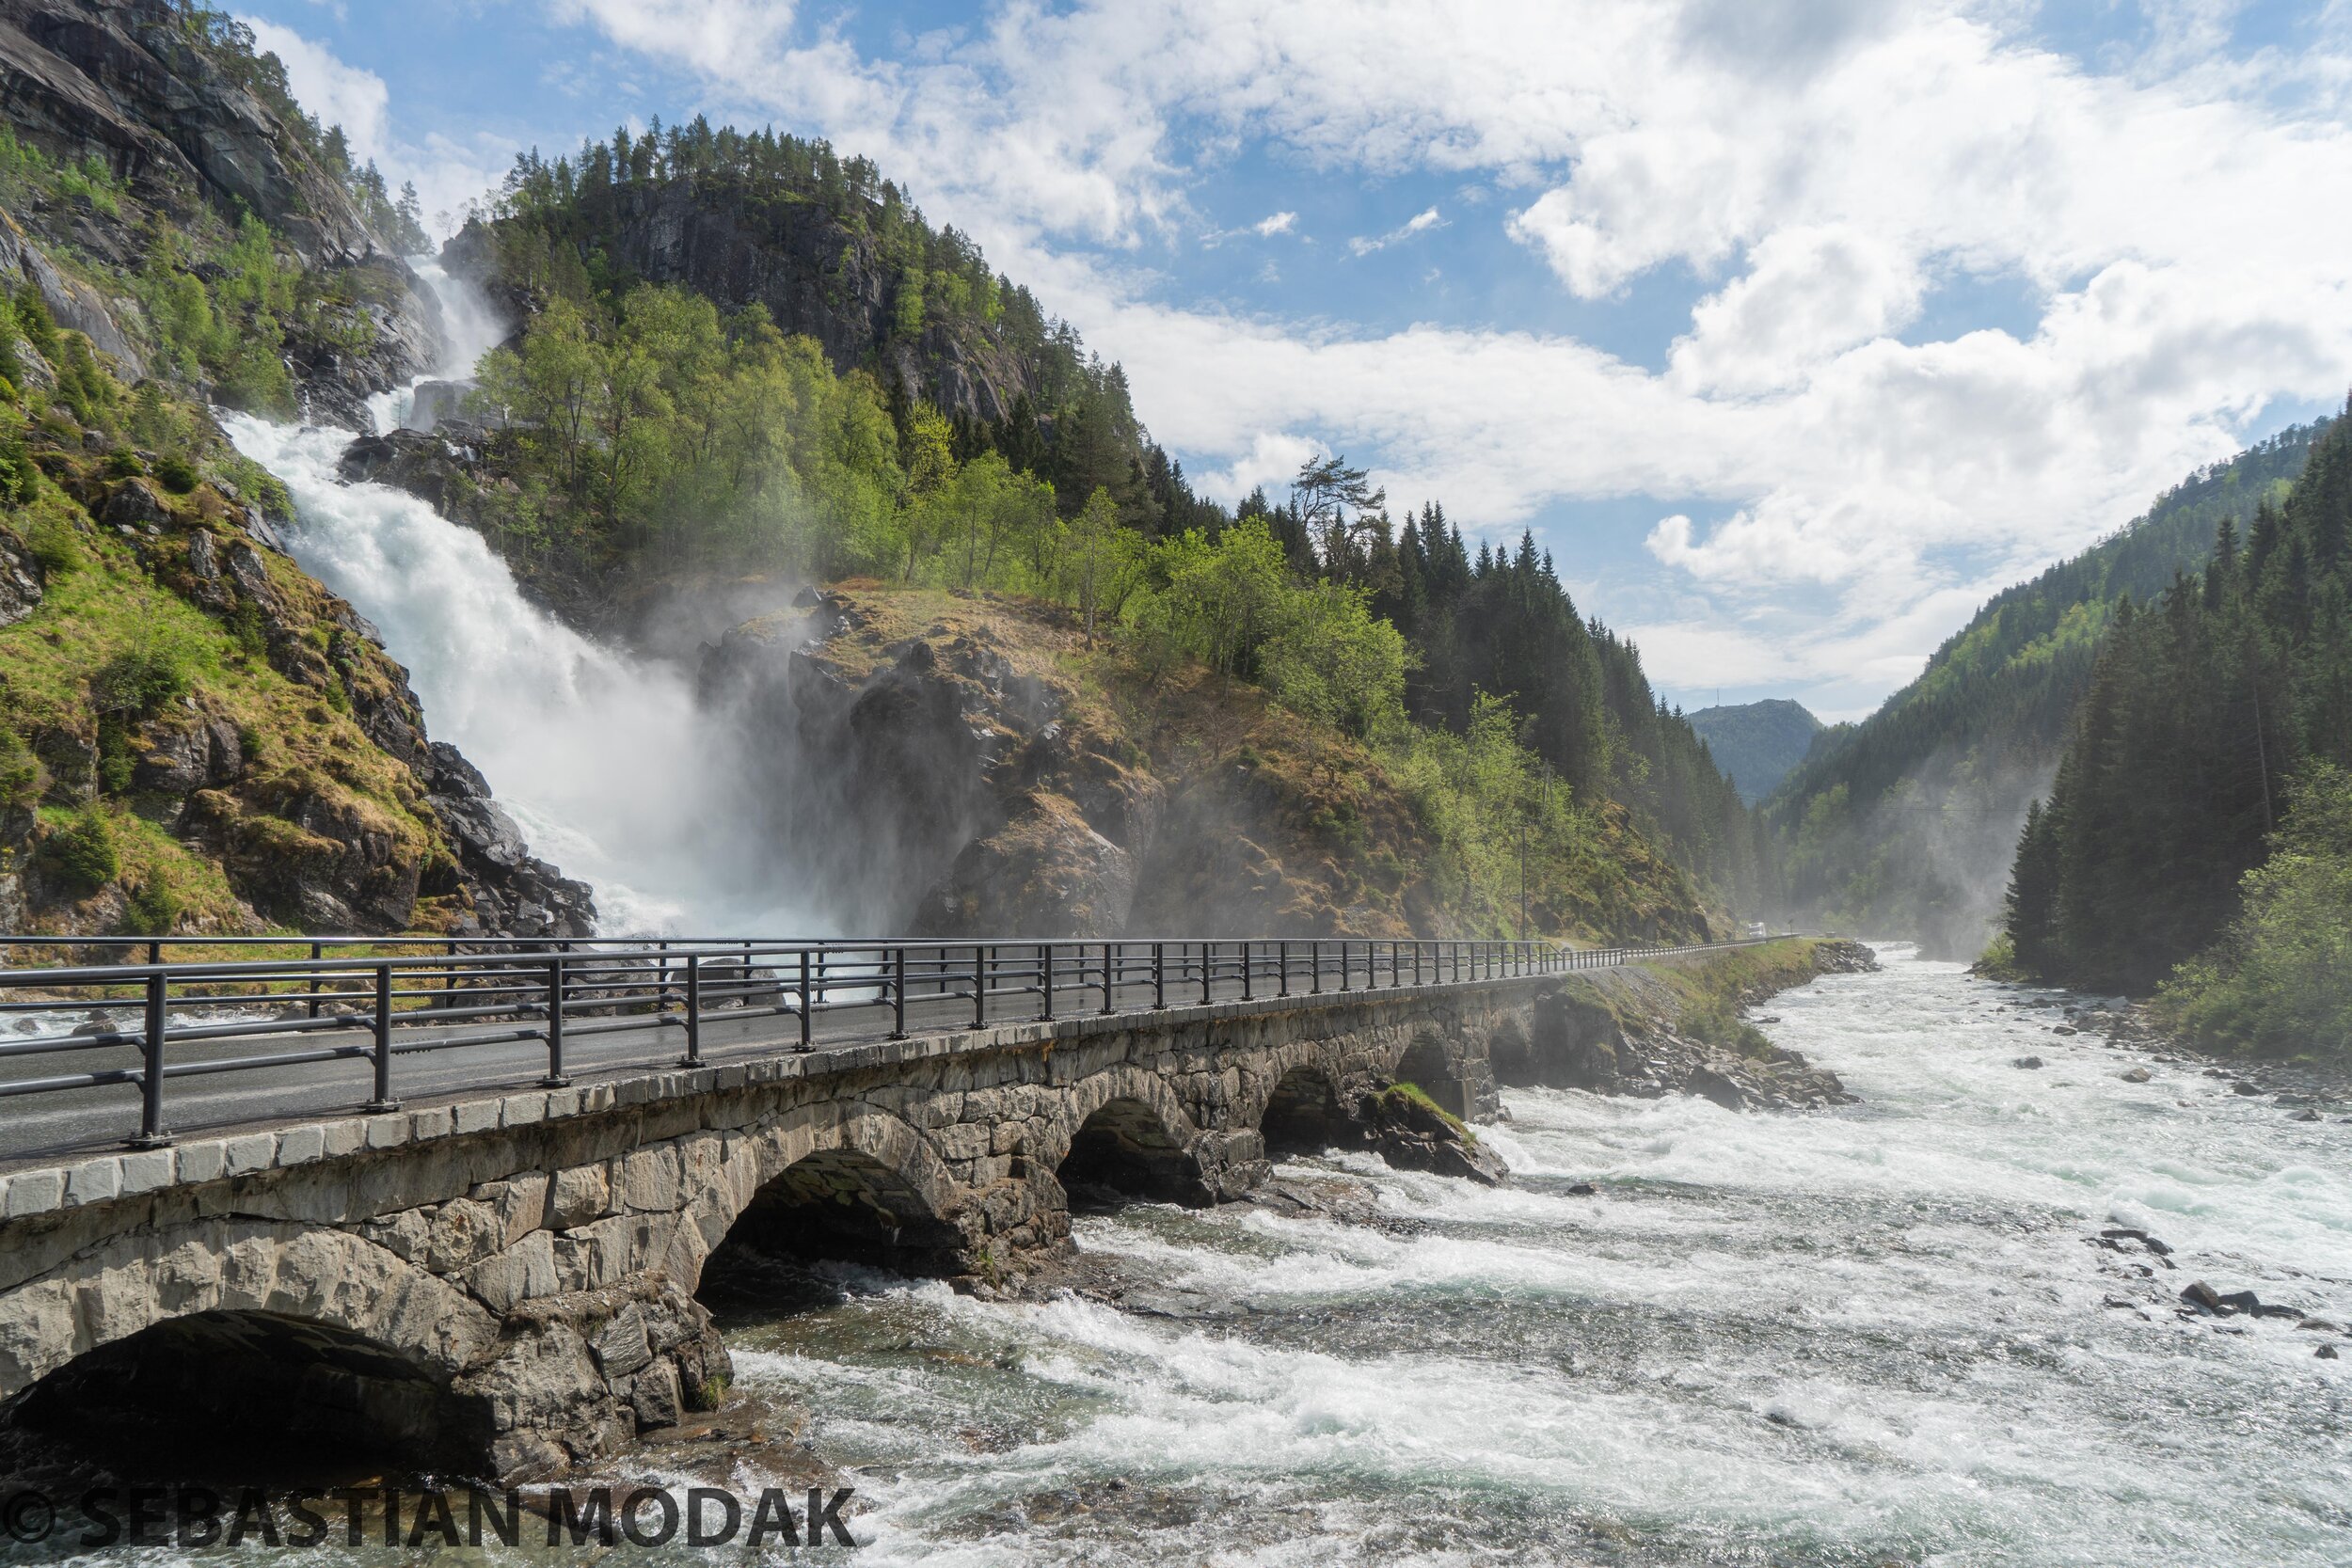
(602,758)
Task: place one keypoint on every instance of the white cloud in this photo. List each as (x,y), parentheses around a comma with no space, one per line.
(448,170)
(336,93)
(1420,223)
(2178,224)
(1808,294)
(1276,223)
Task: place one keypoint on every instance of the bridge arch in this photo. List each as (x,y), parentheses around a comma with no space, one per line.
(866,1190)
(287,1400)
(1302,1114)
(342,1352)
(1127,1147)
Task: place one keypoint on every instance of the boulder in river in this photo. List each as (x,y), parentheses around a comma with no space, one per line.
(2028,1061)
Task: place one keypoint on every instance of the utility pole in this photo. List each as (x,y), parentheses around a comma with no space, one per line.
(2261,751)
(1522,875)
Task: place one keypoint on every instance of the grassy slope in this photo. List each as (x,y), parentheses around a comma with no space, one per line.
(106,596)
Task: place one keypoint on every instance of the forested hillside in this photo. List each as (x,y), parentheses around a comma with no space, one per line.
(1892,826)
(742,354)
(2214,729)
(1757,744)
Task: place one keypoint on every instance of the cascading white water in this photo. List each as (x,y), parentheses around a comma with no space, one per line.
(603,759)
(471,327)
(1882,1335)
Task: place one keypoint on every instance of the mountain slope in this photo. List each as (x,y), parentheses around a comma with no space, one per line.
(1756,744)
(2215,730)
(745,356)
(196,738)
(1903,825)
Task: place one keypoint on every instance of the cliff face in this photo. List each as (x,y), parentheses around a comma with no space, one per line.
(715,236)
(195,736)
(179,126)
(958,766)
(130,82)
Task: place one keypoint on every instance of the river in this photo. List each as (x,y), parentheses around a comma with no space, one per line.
(1879,1334)
(1882,1335)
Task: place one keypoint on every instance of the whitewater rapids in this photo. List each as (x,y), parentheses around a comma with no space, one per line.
(1877,1336)
(602,758)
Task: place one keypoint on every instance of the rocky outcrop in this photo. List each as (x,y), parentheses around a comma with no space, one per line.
(1626,1032)
(178,117)
(515,893)
(1410,1132)
(941,788)
(955,765)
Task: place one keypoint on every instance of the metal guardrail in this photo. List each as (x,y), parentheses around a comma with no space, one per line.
(380,999)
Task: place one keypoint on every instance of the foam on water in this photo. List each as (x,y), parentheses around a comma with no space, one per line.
(603,759)
(1877,1334)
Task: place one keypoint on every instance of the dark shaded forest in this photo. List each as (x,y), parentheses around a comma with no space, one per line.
(2209,740)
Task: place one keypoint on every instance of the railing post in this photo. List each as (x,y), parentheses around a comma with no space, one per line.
(311,983)
(383,1100)
(1248,966)
(980,986)
(807,994)
(898,993)
(152,1132)
(1109,1005)
(1045,965)
(1315,951)
(1206,968)
(555,1079)
(693,1010)
(1159,976)
(1286,969)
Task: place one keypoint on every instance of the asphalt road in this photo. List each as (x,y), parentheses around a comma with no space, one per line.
(42,1127)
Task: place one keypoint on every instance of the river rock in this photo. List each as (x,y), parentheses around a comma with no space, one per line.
(2206,1299)
(2135,1075)
(2028,1061)
(1411,1134)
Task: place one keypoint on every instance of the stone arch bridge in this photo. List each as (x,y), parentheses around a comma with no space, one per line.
(504,1286)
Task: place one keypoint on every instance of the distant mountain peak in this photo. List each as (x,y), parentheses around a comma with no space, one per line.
(1757,743)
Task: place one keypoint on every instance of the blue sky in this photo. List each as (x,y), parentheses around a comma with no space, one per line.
(1792,330)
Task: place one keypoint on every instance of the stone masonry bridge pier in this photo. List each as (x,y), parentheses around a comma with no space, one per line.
(501,1282)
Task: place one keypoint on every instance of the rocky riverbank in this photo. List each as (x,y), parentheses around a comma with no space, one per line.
(1674,1027)
(2307,1090)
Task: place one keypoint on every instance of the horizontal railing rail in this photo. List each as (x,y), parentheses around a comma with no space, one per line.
(145,1022)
